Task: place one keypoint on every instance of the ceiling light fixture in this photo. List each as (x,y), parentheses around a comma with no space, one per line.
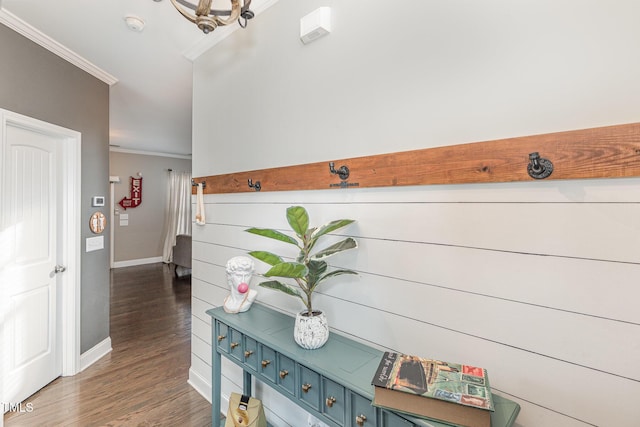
(208,19)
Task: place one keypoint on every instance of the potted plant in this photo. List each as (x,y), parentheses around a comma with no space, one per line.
(307,271)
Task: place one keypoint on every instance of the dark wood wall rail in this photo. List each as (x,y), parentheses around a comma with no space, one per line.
(604,152)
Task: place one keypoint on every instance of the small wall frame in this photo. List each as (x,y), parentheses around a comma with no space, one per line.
(97,222)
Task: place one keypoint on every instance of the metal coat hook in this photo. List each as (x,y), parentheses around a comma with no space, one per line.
(194,184)
(539,168)
(255,186)
(342,172)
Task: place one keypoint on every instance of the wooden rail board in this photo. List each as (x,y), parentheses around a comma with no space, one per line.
(604,152)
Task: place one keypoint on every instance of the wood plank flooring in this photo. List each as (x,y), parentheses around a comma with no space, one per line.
(143,381)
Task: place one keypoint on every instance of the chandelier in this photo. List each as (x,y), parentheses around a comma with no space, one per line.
(208,19)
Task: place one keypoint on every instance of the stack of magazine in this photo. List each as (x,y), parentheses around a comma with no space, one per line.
(447,392)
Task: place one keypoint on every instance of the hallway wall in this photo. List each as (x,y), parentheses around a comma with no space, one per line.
(40,84)
(536,281)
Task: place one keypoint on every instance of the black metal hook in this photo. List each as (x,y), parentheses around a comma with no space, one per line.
(255,186)
(194,184)
(247,14)
(539,168)
(342,172)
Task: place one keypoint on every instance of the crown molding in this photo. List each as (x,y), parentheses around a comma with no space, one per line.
(18,25)
(149,153)
(222,33)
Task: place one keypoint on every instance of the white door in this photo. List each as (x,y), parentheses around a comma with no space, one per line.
(29,258)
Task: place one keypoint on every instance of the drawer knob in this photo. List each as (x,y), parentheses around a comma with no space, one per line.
(360,419)
(221,337)
(234,345)
(330,401)
(248,353)
(284,373)
(306,387)
(265,363)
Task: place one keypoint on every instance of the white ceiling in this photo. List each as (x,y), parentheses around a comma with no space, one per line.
(150,72)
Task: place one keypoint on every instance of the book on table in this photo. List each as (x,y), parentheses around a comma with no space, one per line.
(453,393)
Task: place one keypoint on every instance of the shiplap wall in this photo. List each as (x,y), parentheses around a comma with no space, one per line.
(536,282)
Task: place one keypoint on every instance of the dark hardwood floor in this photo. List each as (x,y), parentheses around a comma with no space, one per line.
(143,381)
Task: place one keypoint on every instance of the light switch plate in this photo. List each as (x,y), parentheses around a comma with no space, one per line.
(94,243)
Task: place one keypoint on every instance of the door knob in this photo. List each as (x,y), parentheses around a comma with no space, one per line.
(60,269)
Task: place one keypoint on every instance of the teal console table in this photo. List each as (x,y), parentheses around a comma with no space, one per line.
(333,383)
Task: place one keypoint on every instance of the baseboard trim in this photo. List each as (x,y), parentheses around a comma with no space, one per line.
(134,262)
(200,384)
(95,353)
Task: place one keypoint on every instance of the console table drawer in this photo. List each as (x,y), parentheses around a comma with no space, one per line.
(362,413)
(286,374)
(267,368)
(222,336)
(235,345)
(333,405)
(250,353)
(310,387)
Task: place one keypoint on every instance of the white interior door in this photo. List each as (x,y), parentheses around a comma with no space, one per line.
(31,287)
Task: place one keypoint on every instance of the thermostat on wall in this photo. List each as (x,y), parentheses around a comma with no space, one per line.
(97,201)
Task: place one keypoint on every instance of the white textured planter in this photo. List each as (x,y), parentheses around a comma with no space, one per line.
(311,332)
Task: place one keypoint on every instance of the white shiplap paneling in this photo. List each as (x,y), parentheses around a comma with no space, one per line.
(540,290)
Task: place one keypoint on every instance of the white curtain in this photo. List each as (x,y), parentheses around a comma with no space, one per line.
(178,211)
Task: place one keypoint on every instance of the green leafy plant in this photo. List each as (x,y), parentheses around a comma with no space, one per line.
(310,268)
